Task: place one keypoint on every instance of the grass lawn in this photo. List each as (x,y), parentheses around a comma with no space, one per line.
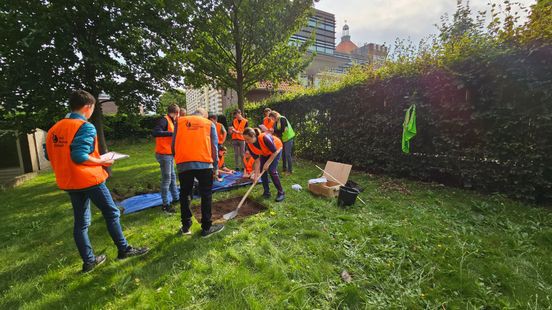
(414,245)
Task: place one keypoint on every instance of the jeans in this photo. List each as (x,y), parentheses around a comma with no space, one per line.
(273,171)
(205,179)
(287,150)
(101,197)
(239,151)
(168,178)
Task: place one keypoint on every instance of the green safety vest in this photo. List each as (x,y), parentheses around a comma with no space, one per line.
(288,134)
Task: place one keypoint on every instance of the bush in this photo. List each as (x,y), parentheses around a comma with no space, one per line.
(484,122)
(123,126)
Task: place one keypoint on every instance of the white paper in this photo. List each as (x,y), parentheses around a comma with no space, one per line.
(113,155)
(319,180)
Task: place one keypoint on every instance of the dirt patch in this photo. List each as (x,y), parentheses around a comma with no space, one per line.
(394,186)
(250,207)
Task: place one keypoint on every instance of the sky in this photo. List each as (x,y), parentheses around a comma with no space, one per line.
(381,21)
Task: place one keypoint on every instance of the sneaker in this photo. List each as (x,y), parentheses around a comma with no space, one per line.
(87,267)
(132,251)
(280,197)
(168,209)
(213,230)
(184,231)
(266,195)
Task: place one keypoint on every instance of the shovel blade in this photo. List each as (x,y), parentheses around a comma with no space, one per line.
(230,215)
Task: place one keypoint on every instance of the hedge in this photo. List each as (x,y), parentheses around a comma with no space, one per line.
(483,123)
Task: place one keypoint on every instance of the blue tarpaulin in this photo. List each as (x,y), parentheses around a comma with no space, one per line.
(145,201)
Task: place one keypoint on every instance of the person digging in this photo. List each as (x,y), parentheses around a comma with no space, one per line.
(266,149)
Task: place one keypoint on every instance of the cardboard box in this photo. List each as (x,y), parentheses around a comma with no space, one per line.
(330,189)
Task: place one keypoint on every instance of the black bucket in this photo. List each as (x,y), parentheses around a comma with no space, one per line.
(347,196)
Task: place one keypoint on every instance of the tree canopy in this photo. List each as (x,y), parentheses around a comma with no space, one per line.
(131,50)
(238,43)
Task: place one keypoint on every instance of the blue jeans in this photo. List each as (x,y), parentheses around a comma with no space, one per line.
(287,150)
(101,197)
(168,178)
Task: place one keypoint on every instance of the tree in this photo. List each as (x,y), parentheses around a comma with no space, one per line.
(177,96)
(237,43)
(127,49)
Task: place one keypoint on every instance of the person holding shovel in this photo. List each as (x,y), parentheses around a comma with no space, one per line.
(266,149)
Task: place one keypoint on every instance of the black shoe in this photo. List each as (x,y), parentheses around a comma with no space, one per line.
(213,230)
(168,209)
(87,267)
(184,231)
(266,195)
(132,251)
(280,197)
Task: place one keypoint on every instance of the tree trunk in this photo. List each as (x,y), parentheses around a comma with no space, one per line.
(241,98)
(97,120)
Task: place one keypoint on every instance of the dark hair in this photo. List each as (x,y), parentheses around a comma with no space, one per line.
(173,108)
(79,98)
(213,117)
(252,132)
(237,111)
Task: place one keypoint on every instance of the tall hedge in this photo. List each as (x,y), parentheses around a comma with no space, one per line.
(483,123)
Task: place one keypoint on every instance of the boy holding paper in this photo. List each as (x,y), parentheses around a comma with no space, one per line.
(72,148)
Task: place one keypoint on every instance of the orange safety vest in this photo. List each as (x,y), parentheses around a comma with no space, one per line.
(70,175)
(264,150)
(221,162)
(248,164)
(220,134)
(193,140)
(239,126)
(163,145)
(268,122)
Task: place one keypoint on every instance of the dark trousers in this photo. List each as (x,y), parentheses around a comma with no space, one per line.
(273,171)
(286,156)
(205,179)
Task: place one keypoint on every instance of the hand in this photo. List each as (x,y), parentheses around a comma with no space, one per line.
(107,162)
(266,166)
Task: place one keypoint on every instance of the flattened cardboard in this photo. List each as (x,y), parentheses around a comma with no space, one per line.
(330,189)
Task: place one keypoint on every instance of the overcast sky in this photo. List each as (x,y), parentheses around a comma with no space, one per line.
(381,21)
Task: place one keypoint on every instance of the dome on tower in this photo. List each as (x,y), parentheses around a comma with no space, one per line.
(346,45)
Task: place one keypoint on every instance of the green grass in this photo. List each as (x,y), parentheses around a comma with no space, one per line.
(414,245)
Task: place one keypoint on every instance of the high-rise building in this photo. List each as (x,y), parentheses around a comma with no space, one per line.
(213,100)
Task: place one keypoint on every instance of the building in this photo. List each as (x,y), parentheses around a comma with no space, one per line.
(369,53)
(22,156)
(213,100)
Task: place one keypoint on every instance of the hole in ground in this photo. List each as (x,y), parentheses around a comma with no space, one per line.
(250,207)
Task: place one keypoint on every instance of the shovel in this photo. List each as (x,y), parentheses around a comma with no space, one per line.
(233,214)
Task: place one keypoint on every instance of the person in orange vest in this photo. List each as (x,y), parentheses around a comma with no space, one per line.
(248,162)
(221,131)
(268,123)
(196,156)
(222,169)
(72,149)
(238,126)
(265,148)
(163,133)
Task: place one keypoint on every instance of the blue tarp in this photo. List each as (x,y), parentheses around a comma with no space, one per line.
(145,201)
